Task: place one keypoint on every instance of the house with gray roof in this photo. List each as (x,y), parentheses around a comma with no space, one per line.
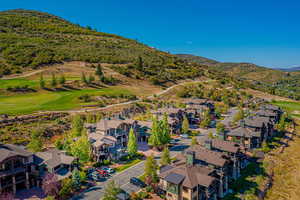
(186,180)
(109,137)
(16,168)
(54,161)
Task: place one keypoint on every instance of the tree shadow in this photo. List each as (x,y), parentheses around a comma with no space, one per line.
(246,184)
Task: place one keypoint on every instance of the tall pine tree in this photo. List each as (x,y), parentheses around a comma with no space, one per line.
(165,158)
(185,125)
(154,139)
(165,130)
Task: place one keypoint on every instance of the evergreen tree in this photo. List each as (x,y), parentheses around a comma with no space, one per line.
(76,179)
(194,141)
(35,143)
(99,72)
(42,81)
(91,79)
(154,138)
(77,125)
(132,146)
(165,130)
(165,158)
(53,80)
(220,128)
(151,170)
(111,191)
(140,64)
(206,120)
(185,125)
(281,125)
(83,78)
(62,79)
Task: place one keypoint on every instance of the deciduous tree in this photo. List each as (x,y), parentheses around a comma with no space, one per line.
(111,191)
(132,146)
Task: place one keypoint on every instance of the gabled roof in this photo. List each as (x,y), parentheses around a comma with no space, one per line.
(244,132)
(208,156)
(227,146)
(10,150)
(270,107)
(98,139)
(266,113)
(53,158)
(167,110)
(105,124)
(174,178)
(190,176)
(257,121)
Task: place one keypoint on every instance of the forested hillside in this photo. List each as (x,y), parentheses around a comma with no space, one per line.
(30,39)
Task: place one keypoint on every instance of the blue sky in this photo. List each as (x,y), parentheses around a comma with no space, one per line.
(264,32)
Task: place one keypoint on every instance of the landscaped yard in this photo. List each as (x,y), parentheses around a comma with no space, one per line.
(127,165)
(50,101)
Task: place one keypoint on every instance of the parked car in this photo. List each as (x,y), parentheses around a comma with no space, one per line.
(184,136)
(109,170)
(95,176)
(137,182)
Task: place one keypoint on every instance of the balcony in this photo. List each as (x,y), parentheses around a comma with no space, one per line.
(12,171)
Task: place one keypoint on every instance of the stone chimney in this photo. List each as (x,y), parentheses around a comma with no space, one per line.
(208,144)
(190,158)
(242,123)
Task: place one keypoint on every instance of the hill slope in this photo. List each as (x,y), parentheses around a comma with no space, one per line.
(31,39)
(269,80)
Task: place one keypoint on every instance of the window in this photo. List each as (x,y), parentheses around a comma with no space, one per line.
(195,189)
(185,189)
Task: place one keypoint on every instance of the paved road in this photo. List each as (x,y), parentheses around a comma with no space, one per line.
(122,178)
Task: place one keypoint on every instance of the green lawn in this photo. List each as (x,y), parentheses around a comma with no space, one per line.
(287,105)
(49,101)
(21,82)
(4,84)
(127,165)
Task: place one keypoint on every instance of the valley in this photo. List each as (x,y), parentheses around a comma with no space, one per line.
(91,115)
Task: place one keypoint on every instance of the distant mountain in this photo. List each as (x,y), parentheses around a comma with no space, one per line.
(292,69)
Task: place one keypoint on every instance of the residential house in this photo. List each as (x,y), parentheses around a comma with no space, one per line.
(16,168)
(233,150)
(216,160)
(264,125)
(54,161)
(188,181)
(245,136)
(109,138)
(175,117)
